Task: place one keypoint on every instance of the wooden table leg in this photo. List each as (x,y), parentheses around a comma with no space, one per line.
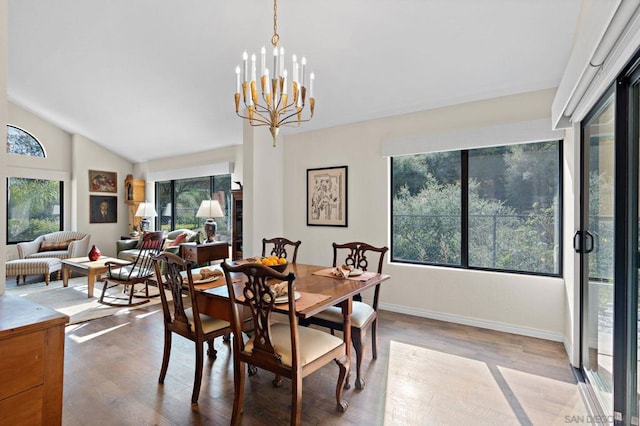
(65,275)
(91,280)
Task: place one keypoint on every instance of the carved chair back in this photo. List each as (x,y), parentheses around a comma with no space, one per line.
(280,247)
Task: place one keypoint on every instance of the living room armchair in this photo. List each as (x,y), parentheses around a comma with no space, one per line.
(61,245)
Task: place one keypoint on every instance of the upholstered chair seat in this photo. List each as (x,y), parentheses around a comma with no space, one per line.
(312,343)
(362,314)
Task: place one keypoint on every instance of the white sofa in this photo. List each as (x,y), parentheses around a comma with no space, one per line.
(61,245)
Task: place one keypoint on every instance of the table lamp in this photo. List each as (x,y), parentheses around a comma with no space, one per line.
(210,209)
(144,211)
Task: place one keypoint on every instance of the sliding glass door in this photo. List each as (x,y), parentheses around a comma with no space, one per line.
(608,243)
(596,242)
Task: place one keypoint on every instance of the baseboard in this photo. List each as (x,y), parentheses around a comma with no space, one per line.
(475,322)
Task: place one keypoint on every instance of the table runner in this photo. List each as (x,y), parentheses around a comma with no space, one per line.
(329,274)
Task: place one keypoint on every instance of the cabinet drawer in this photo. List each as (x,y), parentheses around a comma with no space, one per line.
(24,408)
(22,362)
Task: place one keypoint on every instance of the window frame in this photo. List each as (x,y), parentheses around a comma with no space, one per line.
(464,225)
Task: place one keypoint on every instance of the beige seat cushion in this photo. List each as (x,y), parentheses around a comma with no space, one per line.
(209,324)
(361,313)
(313,343)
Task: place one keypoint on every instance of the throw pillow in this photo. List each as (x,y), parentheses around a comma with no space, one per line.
(179,239)
(54,245)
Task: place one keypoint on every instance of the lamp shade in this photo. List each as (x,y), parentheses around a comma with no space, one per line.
(146,210)
(210,208)
(167,210)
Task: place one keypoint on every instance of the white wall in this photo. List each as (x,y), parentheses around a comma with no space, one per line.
(518,303)
(3,135)
(87,155)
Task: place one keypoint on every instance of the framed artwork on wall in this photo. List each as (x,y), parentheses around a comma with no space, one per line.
(327,196)
(103,209)
(100,181)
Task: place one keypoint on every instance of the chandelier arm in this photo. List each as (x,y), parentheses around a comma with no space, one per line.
(283,121)
(258,117)
(261,108)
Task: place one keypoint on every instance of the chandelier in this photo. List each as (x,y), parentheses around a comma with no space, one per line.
(277,105)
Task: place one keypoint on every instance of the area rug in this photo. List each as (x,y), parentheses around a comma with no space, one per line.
(73,300)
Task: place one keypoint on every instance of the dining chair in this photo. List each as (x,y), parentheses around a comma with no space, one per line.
(364,316)
(186,322)
(136,272)
(283,348)
(279,248)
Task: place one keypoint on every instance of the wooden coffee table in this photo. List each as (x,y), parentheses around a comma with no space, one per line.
(83,266)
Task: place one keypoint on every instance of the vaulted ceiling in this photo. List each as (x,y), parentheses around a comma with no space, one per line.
(153,78)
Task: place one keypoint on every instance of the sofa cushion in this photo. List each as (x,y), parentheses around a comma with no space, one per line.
(49,245)
(176,232)
(60,254)
(179,239)
(129,255)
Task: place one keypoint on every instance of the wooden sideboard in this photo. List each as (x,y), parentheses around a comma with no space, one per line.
(31,362)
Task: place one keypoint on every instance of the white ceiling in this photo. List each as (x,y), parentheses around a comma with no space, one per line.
(153,78)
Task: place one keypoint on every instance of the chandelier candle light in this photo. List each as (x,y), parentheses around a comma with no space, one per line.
(275,108)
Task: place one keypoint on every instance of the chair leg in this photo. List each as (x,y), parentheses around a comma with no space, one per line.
(238,391)
(277,381)
(359,346)
(165,356)
(374,339)
(132,287)
(197,381)
(211,351)
(104,289)
(343,365)
(296,400)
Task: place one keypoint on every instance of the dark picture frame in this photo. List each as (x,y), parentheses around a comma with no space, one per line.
(327,196)
(103,209)
(100,181)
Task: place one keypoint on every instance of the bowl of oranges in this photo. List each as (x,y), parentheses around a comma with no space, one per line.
(277,263)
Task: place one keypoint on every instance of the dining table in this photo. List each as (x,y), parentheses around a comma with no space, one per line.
(318,286)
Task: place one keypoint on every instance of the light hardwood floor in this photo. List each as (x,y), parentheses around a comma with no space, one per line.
(459,375)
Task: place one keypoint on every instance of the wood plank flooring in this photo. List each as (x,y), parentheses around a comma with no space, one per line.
(112,366)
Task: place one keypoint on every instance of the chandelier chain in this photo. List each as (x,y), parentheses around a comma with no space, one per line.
(276,38)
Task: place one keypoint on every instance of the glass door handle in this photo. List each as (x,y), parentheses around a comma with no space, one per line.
(588,242)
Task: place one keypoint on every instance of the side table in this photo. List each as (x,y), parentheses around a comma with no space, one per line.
(204,253)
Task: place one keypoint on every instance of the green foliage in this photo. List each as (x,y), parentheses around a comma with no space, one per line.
(30,208)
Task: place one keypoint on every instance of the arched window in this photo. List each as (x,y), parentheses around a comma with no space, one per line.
(23,143)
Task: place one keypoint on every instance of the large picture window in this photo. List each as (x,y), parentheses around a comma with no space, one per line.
(177,203)
(491,208)
(34,207)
